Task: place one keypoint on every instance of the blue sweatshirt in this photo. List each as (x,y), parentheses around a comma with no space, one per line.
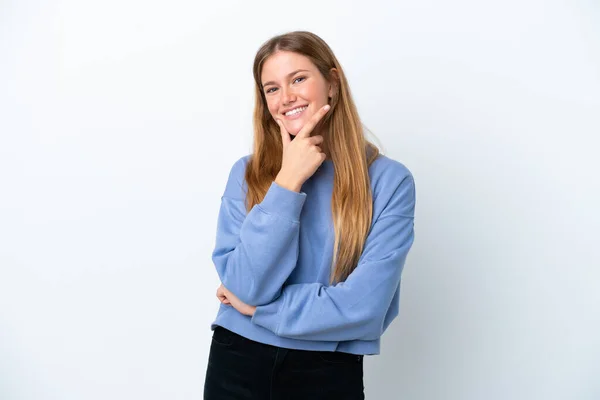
(278,257)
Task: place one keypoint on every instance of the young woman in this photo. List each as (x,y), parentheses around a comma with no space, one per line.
(313,232)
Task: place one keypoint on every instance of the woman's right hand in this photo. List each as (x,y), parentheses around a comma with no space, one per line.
(301,156)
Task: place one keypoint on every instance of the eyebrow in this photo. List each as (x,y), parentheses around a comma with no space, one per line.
(288,75)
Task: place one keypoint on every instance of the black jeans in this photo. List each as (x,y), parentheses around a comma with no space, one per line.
(240,369)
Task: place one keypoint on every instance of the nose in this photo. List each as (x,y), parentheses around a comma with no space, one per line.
(287,96)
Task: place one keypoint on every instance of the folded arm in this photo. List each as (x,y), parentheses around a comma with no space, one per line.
(358,307)
(255,252)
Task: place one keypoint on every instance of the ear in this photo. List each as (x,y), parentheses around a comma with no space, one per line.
(334,82)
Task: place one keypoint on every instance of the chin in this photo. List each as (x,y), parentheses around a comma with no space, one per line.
(294,128)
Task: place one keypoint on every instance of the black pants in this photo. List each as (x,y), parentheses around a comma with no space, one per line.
(240,369)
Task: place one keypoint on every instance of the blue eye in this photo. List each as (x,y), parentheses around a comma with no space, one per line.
(296,80)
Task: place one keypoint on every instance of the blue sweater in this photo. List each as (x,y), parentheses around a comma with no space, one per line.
(278,256)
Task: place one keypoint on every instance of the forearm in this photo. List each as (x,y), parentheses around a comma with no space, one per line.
(254,260)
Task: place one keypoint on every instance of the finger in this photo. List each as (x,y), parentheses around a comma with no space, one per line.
(285,136)
(226,301)
(309,126)
(316,140)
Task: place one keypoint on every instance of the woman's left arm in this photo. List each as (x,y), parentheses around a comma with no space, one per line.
(356,309)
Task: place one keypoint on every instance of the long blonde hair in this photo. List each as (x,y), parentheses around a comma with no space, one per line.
(351,153)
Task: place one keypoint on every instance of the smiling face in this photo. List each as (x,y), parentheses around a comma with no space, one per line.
(294,89)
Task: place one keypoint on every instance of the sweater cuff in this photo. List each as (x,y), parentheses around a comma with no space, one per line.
(267,315)
(283,202)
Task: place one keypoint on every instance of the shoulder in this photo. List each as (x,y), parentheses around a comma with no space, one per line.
(236,184)
(238,168)
(387,171)
(393,187)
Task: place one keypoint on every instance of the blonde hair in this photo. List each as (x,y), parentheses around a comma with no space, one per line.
(350,151)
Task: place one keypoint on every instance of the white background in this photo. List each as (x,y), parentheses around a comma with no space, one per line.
(120,120)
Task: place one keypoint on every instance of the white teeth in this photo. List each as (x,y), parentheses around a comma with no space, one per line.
(296,111)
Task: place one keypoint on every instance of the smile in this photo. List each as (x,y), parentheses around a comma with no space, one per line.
(295,111)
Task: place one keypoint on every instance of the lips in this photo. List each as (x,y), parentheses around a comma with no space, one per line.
(295,112)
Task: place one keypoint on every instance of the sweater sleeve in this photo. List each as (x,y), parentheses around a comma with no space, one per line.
(356,308)
(255,252)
